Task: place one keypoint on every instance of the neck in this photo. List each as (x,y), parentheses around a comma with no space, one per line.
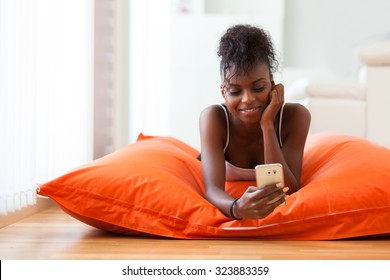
(245,129)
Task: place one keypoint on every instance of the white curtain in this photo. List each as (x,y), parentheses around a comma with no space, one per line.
(46,94)
(149,67)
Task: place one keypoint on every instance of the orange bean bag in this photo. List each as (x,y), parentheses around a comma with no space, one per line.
(155,187)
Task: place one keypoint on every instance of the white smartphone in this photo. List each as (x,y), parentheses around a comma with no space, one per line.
(268,174)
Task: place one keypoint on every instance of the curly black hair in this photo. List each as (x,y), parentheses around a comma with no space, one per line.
(244,46)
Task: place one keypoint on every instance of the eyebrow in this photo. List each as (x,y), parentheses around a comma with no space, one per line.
(258,80)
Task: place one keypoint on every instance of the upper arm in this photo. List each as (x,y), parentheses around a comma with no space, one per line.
(213,138)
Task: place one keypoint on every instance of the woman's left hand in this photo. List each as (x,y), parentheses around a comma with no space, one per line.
(276,102)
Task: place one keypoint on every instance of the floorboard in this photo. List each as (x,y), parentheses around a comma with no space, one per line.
(52,234)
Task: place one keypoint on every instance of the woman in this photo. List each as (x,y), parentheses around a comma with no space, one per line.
(252,127)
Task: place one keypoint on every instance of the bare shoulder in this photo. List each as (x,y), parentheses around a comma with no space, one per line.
(213,128)
(213,110)
(296,121)
(296,108)
(296,113)
(212,114)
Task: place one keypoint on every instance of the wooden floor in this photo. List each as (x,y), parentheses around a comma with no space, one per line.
(52,234)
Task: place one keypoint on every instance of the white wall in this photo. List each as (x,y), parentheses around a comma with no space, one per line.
(174,65)
(175,70)
(322,34)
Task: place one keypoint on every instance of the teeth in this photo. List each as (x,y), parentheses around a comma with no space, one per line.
(249,110)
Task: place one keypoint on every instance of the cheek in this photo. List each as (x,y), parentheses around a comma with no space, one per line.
(265,97)
(232,103)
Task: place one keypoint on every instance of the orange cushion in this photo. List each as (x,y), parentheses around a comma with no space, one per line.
(155,186)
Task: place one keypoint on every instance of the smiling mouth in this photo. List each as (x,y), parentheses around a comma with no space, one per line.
(249,110)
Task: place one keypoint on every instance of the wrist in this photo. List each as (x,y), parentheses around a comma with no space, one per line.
(267,126)
(233,212)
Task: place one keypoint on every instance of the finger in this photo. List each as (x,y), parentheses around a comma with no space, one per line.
(282,196)
(281,186)
(251,195)
(280,92)
(252,189)
(267,210)
(274,94)
(280,89)
(279,202)
(270,198)
(276,99)
(269,189)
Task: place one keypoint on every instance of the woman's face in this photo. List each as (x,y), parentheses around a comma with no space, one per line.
(247,94)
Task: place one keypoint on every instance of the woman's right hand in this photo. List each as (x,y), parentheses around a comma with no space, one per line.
(258,203)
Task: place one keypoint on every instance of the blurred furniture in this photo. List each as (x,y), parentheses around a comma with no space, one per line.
(376,58)
(358,107)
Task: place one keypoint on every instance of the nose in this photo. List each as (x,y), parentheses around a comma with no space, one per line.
(247,97)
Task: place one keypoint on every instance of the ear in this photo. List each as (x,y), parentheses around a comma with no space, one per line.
(222,90)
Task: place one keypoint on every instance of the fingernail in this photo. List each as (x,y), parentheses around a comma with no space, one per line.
(285,189)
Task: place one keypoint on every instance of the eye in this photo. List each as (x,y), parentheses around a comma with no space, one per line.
(259,89)
(233,91)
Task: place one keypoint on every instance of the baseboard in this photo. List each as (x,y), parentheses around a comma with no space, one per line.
(42,204)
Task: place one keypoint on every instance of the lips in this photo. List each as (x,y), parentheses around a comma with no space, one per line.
(249,110)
